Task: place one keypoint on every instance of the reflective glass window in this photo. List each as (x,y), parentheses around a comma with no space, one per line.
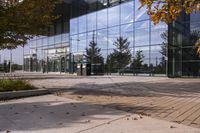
(141,37)
(91,36)
(45,41)
(104,53)
(127,33)
(113,16)
(157,31)
(140,14)
(58,38)
(39,42)
(73,26)
(82,42)
(91,21)
(74,43)
(82,24)
(156,56)
(66,26)
(102,39)
(114,2)
(102,19)
(17,55)
(113,34)
(58,27)
(51,40)
(34,44)
(127,12)
(145,53)
(27,49)
(142,33)
(65,37)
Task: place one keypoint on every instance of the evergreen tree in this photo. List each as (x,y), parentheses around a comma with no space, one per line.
(121,56)
(93,53)
(138,60)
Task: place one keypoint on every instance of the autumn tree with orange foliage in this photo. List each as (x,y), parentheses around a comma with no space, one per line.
(168,10)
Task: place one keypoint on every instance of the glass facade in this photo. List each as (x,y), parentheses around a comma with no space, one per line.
(124,20)
(182,52)
(125,40)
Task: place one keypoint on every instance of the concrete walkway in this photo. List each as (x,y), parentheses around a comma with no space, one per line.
(53,114)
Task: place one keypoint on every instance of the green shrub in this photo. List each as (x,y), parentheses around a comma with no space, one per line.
(14,85)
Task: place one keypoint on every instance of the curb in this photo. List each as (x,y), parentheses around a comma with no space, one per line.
(22,94)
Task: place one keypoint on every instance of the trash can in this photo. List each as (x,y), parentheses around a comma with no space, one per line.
(86,68)
(79,70)
(97,69)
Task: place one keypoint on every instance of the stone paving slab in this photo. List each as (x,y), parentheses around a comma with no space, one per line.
(53,114)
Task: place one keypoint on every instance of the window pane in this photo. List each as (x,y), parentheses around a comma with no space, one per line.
(91,36)
(65,37)
(127,33)
(102,39)
(113,34)
(142,33)
(145,53)
(74,43)
(102,19)
(82,42)
(113,16)
(140,14)
(156,33)
(51,40)
(127,12)
(39,42)
(73,26)
(82,24)
(58,39)
(91,21)
(45,41)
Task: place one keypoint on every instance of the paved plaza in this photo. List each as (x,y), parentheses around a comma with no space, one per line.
(53,114)
(176,100)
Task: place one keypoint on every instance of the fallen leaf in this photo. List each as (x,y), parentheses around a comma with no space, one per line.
(83,114)
(172,127)
(80,97)
(88,121)
(59,123)
(8,131)
(135,119)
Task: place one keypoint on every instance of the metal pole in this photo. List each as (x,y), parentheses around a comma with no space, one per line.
(23,60)
(10,61)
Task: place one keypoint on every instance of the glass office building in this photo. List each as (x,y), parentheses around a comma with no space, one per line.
(128,42)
